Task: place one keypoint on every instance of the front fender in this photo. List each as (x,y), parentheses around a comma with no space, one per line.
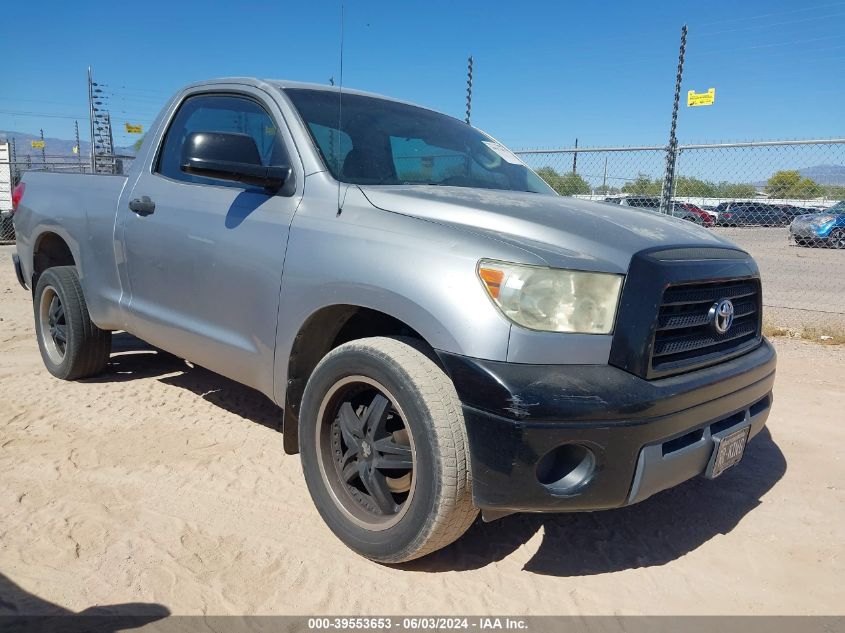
(416,271)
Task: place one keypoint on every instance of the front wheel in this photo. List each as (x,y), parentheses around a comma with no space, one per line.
(384,450)
(837,238)
(71,345)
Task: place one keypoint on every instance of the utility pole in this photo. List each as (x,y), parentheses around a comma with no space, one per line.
(78,145)
(13,159)
(43,151)
(672,149)
(469,88)
(604,180)
(575,158)
(102,142)
(91,115)
(110,146)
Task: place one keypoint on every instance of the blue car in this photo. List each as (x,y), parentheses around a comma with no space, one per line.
(820,229)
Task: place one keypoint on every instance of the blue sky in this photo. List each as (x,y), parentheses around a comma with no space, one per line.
(545,72)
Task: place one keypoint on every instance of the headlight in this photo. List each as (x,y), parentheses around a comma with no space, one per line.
(552,299)
(823,219)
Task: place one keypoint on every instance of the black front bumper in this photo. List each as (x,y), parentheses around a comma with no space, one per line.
(645,435)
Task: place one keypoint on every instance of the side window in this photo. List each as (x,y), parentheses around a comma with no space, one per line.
(219,113)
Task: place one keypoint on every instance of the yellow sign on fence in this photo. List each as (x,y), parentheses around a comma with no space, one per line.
(37,144)
(134,129)
(701,98)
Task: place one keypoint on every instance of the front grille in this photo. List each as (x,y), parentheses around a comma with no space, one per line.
(684,335)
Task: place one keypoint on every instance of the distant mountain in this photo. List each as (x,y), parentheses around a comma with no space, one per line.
(52,146)
(825,174)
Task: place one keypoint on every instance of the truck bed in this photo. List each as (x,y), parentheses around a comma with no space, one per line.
(79,208)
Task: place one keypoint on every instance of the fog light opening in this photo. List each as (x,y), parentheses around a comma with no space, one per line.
(566,468)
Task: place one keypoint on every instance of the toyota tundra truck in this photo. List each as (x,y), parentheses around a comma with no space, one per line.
(443,333)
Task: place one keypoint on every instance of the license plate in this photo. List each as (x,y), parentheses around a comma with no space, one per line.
(728,451)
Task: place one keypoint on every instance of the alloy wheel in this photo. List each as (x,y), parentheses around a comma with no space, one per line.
(365,452)
(53,324)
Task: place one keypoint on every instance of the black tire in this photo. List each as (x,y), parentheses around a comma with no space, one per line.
(61,313)
(437,508)
(837,238)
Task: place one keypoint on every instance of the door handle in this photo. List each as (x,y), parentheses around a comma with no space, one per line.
(142,205)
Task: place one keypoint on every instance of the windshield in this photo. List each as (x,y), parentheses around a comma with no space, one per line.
(839,207)
(382,142)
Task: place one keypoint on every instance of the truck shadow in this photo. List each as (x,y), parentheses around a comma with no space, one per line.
(133,359)
(24,611)
(654,532)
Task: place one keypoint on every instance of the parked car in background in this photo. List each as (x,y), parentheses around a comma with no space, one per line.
(650,203)
(791,211)
(751,214)
(820,229)
(681,210)
(693,213)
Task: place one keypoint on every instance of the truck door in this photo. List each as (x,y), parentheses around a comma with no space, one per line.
(204,256)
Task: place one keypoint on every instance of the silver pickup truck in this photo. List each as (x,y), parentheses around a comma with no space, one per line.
(442,331)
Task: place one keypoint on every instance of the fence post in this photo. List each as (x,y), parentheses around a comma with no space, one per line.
(672,148)
(43,151)
(469,89)
(13,159)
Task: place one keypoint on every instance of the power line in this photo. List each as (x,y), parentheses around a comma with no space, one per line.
(42,114)
(775,45)
(106,85)
(767,15)
(766,26)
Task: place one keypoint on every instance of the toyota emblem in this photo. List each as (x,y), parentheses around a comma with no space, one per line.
(721,315)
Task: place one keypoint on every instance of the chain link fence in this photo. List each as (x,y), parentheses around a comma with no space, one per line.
(782,201)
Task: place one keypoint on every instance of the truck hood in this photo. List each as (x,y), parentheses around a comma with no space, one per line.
(564,232)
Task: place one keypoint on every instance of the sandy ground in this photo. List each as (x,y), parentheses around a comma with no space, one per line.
(165,486)
(802,286)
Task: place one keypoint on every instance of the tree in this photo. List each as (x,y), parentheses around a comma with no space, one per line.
(567,184)
(688,186)
(837,192)
(735,190)
(137,144)
(790,184)
(604,190)
(642,185)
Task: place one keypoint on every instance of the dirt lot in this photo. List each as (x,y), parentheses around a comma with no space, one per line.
(164,484)
(801,286)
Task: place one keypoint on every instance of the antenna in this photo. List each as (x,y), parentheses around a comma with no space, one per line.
(339,109)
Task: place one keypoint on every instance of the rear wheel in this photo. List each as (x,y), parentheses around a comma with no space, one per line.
(384,450)
(71,345)
(837,238)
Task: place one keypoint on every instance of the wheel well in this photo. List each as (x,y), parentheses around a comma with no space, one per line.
(50,250)
(321,333)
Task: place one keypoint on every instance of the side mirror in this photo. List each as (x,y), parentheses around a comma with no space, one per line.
(229,156)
